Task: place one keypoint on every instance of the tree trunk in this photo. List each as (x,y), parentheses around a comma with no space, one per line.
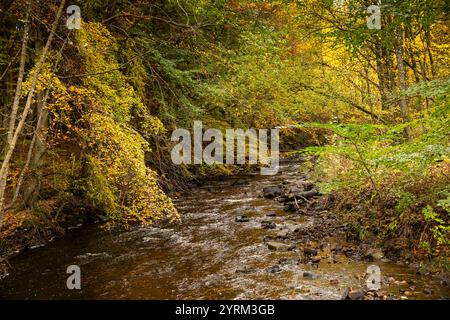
(423,68)
(15,105)
(381,75)
(37,147)
(35,156)
(5,164)
(430,55)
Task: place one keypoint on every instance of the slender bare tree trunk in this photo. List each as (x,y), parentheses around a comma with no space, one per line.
(409,34)
(16,101)
(423,69)
(369,92)
(381,75)
(430,55)
(34,156)
(5,164)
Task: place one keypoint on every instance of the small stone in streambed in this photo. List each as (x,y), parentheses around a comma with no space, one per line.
(287,261)
(271,214)
(388,280)
(274,269)
(310,275)
(310,251)
(211,283)
(345,294)
(239,182)
(356,295)
(242,219)
(272,192)
(334,282)
(289,207)
(283,234)
(283,199)
(268,225)
(374,254)
(427,291)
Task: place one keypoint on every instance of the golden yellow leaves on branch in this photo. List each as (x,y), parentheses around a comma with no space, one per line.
(99,116)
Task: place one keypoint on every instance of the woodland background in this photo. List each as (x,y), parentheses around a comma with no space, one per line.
(86,115)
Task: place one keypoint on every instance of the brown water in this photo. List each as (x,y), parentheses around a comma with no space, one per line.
(199,258)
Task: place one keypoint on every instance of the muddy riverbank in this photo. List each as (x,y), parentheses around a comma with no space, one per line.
(248,237)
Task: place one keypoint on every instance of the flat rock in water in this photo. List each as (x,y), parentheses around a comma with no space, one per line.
(93,256)
(279,246)
(246,270)
(241,219)
(239,182)
(283,234)
(274,269)
(310,275)
(268,225)
(310,251)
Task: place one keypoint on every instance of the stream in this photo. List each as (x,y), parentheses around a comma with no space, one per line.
(209,255)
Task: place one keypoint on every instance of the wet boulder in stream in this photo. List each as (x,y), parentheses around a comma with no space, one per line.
(280,246)
(268,225)
(274,269)
(310,251)
(374,254)
(242,219)
(355,295)
(272,192)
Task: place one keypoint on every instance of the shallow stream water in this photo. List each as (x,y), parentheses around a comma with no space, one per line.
(207,256)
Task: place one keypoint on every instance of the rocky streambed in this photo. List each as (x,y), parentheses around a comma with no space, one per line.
(248,237)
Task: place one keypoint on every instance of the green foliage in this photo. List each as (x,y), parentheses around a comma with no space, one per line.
(377,151)
(441,228)
(382,166)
